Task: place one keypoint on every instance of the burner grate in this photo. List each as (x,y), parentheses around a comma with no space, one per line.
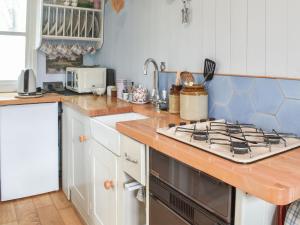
(245,142)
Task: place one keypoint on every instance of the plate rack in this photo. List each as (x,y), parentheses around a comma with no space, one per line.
(60,22)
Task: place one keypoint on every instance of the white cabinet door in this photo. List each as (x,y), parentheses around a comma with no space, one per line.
(29,150)
(80,165)
(66,150)
(104,186)
(76,160)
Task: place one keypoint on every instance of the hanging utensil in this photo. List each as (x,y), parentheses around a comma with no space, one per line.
(178,78)
(117,5)
(187,78)
(209,70)
(185,11)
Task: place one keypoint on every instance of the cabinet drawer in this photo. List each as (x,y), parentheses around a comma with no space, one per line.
(134,159)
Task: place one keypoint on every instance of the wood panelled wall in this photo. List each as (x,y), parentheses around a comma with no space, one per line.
(253,37)
(245,37)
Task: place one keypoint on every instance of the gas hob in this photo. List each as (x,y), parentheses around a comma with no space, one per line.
(241,143)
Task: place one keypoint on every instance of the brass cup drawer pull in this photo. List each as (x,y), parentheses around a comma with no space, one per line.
(82,138)
(130,159)
(108,184)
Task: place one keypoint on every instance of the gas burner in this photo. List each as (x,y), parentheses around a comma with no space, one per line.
(233,129)
(171,125)
(200,135)
(272,139)
(240,148)
(229,128)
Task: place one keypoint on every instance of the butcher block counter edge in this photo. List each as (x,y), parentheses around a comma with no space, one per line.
(86,104)
(10,99)
(97,106)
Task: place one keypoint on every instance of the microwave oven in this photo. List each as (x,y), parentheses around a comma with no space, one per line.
(84,79)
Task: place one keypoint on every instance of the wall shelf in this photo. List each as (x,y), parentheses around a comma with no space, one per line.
(68,23)
(71,7)
(50,37)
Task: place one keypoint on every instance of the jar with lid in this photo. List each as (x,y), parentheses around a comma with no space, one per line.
(174,99)
(194,103)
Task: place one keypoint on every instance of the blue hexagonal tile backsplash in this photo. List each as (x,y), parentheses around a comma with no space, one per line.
(268,103)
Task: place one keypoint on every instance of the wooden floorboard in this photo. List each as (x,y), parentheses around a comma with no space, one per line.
(48,209)
(70,217)
(50,216)
(42,201)
(26,213)
(7,213)
(60,201)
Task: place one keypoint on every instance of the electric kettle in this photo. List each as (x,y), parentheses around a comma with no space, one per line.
(27,82)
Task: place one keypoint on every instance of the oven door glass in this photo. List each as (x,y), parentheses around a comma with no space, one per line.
(160,214)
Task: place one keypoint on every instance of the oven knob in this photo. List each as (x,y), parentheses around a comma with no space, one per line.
(193,122)
(182,123)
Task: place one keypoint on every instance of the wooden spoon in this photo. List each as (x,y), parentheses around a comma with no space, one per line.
(187,78)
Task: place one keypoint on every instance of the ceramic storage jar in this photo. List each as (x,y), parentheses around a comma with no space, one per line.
(174,99)
(194,103)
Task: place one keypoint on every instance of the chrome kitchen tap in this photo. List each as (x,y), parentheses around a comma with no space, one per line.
(155,98)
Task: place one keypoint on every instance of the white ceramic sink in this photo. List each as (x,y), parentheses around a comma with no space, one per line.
(112,120)
(103,129)
(5,98)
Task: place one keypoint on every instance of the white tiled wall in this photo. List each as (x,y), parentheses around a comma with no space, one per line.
(268,103)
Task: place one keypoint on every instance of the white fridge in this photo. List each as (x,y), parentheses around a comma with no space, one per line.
(29,152)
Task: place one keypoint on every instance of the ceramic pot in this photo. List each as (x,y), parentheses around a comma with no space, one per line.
(194,103)
(140,95)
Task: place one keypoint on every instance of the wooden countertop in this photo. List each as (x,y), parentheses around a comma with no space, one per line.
(275,180)
(10,99)
(87,104)
(97,106)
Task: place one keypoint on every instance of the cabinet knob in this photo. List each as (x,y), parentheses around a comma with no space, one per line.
(82,138)
(108,184)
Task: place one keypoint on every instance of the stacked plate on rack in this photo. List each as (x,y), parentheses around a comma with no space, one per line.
(64,22)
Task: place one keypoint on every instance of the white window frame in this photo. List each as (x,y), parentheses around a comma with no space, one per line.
(30,51)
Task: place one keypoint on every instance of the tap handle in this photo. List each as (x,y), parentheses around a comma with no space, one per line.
(155,95)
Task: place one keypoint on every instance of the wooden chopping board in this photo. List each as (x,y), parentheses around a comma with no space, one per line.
(117,5)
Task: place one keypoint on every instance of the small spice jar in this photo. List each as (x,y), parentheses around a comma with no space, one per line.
(194,103)
(114,92)
(174,99)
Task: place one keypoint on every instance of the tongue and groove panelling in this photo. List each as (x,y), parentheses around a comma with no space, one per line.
(245,37)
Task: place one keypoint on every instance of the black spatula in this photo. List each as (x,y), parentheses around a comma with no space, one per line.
(209,70)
